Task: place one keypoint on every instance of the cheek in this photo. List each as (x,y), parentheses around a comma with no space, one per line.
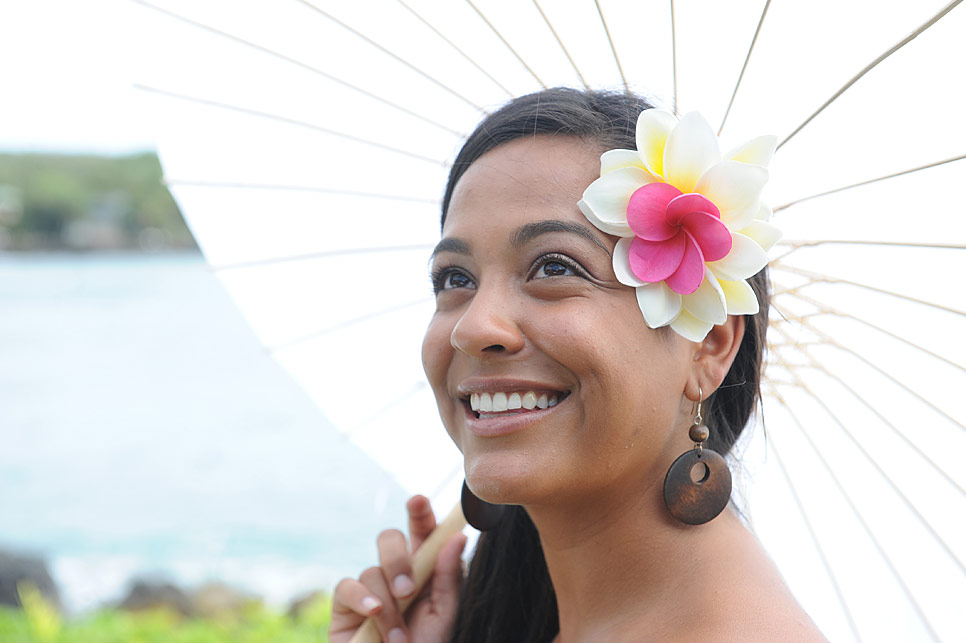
(437,355)
(436,351)
(597,336)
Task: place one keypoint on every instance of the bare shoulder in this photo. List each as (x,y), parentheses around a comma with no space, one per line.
(791,626)
(746,599)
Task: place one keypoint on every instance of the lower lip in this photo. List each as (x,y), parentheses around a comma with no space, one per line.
(505,423)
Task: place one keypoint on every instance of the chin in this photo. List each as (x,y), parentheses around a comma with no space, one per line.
(507,479)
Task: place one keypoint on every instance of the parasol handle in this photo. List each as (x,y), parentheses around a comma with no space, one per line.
(423,562)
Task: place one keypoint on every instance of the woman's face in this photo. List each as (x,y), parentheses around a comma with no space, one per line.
(545,373)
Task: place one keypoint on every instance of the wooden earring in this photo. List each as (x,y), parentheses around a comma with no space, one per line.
(697,487)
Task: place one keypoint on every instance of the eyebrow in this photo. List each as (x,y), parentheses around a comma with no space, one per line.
(451,244)
(531,231)
(524,235)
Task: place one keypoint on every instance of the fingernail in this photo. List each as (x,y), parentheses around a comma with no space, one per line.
(370,604)
(396,635)
(403,585)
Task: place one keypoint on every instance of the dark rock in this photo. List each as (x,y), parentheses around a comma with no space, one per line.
(219,601)
(301,602)
(16,569)
(149,595)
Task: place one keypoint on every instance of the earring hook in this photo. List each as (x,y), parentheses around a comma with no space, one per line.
(698,420)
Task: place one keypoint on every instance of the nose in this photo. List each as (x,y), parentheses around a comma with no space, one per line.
(488,325)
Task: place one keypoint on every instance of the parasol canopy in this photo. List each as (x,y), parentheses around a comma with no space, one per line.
(308,143)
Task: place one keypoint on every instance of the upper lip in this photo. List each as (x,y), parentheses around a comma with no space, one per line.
(503,384)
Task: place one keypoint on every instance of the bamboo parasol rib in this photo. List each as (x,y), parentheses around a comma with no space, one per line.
(297,188)
(872,65)
(318,255)
(289,121)
(560,42)
(813,535)
(506,43)
(871,181)
(301,64)
(802,385)
(458,50)
(865,526)
(610,41)
(393,55)
(825,309)
(744,66)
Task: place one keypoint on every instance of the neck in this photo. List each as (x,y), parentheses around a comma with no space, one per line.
(624,559)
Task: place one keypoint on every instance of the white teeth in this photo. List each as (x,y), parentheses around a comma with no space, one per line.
(529,400)
(500,402)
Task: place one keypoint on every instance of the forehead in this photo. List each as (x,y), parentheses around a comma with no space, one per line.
(533,178)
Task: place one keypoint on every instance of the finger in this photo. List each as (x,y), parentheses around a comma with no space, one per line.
(395,562)
(389,620)
(352,603)
(448,576)
(421,520)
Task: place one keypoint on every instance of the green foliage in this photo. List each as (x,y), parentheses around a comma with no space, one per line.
(38,622)
(123,194)
(43,620)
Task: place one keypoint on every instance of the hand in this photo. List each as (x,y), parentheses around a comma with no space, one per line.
(374,594)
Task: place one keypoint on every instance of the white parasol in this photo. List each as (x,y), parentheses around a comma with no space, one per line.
(308,142)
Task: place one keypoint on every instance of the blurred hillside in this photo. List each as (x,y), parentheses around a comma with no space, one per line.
(64,202)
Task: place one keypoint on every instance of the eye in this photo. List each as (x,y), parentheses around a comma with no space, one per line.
(554,269)
(556,265)
(450,278)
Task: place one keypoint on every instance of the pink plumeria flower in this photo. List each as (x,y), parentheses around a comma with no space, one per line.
(692,224)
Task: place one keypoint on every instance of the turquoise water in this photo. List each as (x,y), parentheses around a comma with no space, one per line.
(143,430)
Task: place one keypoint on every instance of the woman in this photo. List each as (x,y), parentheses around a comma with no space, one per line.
(570,407)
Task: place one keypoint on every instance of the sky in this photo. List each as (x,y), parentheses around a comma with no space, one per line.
(63,85)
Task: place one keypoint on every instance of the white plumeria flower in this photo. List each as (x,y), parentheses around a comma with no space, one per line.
(692,223)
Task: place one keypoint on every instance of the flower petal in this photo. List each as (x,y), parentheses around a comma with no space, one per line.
(653,128)
(739,297)
(690,327)
(689,274)
(745,259)
(646,211)
(691,202)
(707,303)
(659,304)
(736,189)
(757,151)
(653,261)
(764,211)
(691,149)
(763,233)
(616,159)
(605,200)
(622,265)
(712,236)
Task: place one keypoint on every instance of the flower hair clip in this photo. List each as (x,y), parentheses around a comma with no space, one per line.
(692,225)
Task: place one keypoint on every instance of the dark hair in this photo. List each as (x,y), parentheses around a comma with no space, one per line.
(508,595)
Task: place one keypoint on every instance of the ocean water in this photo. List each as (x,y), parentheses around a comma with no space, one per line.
(144,431)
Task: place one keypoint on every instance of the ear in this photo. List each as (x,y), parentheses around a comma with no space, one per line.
(713,358)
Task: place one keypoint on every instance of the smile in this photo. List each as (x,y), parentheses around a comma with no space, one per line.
(501,402)
(497,404)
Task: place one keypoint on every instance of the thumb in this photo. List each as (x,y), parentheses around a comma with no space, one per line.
(448,576)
